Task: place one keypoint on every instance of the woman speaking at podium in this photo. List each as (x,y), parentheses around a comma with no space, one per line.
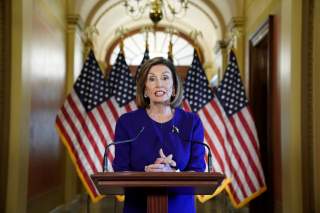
(165,134)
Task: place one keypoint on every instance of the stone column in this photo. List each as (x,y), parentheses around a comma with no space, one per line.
(20,96)
(74,63)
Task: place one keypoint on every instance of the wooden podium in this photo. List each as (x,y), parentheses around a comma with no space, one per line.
(158,185)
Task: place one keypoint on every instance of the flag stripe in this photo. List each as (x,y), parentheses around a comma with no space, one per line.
(100,134)
(246,157)
(85,128)
(113,109)
(215,130)
(90,124)
(237,168)
(96,128)
(82,133)
(245,121)
(215,153)
(235,194)
(108,118)
(249,118)
(78,151)
(108,131)
(223,143)
(128,107)
(103,125)
(235,160)
(215,134)
(105,121)
(218,130)
(186,106)
(86,177)
(77,134)
(251,155)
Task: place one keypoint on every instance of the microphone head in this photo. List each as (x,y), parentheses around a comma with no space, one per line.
(141,130)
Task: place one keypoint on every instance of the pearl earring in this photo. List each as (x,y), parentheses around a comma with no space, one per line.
(173,93)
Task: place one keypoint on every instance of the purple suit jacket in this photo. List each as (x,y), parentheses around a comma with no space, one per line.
(174,137)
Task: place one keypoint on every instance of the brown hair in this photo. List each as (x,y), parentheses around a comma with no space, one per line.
(141,79)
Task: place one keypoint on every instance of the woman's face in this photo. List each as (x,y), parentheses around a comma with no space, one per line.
(159,84)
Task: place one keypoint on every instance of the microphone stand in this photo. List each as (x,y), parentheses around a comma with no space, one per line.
(209,154)
(105,160)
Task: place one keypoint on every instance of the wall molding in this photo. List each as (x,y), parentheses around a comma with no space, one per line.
(5,57)
(78,204)
(307,114)
(316,103)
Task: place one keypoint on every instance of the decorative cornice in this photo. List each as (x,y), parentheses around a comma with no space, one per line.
(75,20)
(236,28)
(220,45)
(236,23)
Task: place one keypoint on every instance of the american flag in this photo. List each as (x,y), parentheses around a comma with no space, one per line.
(196,86)
(121,83)
(87,119)
(229,130)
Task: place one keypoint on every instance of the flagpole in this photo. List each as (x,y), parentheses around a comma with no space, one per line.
(147,39)
(121,33)
(194,34)
(89,35)
(171,31)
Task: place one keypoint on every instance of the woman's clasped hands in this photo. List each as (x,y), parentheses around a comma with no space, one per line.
(162,164)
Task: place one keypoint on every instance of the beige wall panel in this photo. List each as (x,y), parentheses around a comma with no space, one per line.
(18,144)
(48,78)
(290,52)
(258,11)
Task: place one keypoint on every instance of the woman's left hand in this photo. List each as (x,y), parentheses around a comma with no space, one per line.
(165,159)
(162,164)
(158,167)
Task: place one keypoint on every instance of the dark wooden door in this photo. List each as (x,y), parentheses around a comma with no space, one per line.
(263,95)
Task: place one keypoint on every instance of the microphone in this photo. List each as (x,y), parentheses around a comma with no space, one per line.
(105,160)
(176,131)
(209,153)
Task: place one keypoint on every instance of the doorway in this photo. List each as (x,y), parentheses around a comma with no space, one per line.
(264,98)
